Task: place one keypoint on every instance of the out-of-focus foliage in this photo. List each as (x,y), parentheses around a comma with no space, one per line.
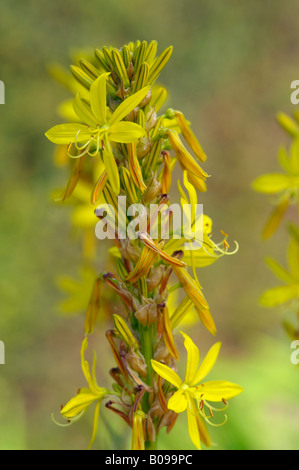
(286,186)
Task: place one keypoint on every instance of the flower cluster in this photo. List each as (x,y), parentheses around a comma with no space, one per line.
(121,144)
(285,187)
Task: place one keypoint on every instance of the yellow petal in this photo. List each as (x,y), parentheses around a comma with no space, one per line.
(98,98)
(134,167)
(272,183)
(193,424)
(190,137)
(207,364)
(126,132)
(218,390)
(64,134)
(99,187)
(178,402)
(168,335)
(166,373)
(73,180)
(190,287)
(293,258)
(93,307)
(78,404)
(143,265)
(275,219)
(279,295)
(192,359)
(95,424)
(146,239)
(128,105)
(111,166)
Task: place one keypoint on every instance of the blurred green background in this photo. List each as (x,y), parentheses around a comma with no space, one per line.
(230,73)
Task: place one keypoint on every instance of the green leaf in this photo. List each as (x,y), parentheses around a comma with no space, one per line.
(126,132)
(64,134)
(111,166)
(272,183)
(128,105)
(98,98)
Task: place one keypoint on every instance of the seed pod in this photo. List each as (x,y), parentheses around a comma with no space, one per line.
(147,314)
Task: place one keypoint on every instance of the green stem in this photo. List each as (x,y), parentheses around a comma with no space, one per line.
(148,351)
(150,445)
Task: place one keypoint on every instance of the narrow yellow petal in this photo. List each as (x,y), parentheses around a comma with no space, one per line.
(279,295)
(93,307)
(146,239)
(95,424)
(192,359)
(275,219)
(111,166)
(128,105)
(218,390)
(190,137)
(193,424)
(134,167)
(143,265)
(168,335)
(166,373)
(190,287)
(98,98)
(78,404)
(126,132)
(272,183)
(207,364)
(73,180)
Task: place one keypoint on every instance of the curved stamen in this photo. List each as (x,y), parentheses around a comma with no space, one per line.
(217,425)
(70,420)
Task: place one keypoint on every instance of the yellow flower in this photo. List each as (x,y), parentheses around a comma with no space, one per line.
(77,405)
(100,128)
(192,394)
(284,185)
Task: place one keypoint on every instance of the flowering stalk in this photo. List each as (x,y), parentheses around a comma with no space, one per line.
(126,150)
(284,187)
